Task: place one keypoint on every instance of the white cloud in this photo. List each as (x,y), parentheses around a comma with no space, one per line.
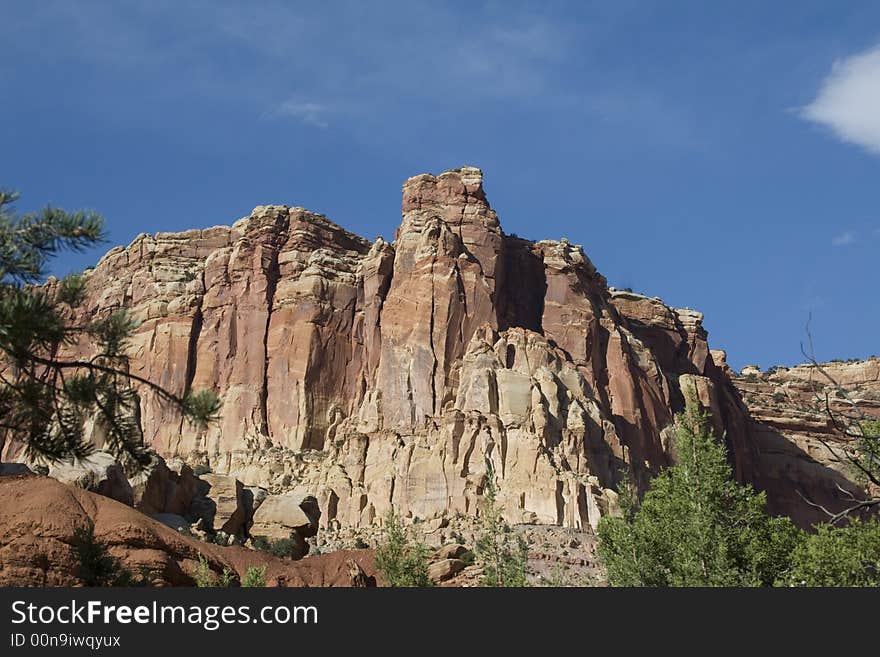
(308,112)
(844,239)
(849,100)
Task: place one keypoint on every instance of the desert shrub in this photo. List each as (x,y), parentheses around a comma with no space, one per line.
(207,578)
(285,548)
(254,577)
(260,543)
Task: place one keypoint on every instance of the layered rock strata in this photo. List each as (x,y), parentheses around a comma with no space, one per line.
(798,434)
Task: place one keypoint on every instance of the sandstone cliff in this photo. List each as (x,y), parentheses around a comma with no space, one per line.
(792,428)
(404,373)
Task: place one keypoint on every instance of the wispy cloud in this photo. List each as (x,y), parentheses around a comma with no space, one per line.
(407,64)
(308,112)
(849,100)
(844,239)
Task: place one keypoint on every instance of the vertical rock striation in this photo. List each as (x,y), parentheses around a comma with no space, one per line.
(407,373)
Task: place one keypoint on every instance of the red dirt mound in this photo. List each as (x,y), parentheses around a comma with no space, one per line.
(39,517)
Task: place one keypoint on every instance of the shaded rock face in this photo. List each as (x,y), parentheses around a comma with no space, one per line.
(407,373)
(789,423)
(164,488)
(99,473)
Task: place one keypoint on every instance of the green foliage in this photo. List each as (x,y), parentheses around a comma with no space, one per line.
(260,543)
(206,578)
(284,547)
(72,290)
(97,567)
(401,562)
(696,526)
(45,400)
(558,578)
(254,577)
(502,554)
(837,556)
(867,451)
(28,242)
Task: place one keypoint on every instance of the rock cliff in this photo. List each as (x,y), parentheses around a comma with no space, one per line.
(407,373)
(791,428)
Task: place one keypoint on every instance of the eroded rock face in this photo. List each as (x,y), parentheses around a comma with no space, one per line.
(408,373)
(288,516)
(99,473)
(791,427)
(164,487)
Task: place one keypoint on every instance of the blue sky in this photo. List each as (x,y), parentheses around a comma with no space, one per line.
(723,156)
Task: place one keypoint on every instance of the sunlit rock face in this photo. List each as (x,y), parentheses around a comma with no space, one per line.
(408,373)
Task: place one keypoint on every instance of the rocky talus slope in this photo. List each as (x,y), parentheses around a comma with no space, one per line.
(406,373)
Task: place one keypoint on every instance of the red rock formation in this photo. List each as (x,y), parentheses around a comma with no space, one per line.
(40,516)
(404,373)
(790,426)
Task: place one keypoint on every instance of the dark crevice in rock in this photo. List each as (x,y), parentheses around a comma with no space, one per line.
(194,334)
(519,297)
(273,275)
(431,341)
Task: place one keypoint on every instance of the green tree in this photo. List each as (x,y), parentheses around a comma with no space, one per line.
(46,397)
(837,556)
(696,526)
(503,555)
(402,563)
